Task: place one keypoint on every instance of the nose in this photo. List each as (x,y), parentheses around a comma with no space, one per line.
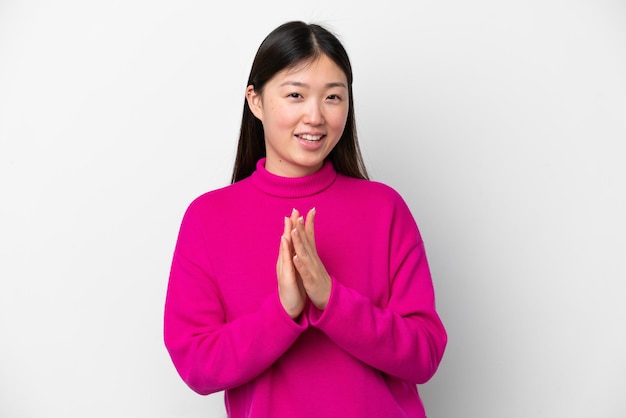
(313,114)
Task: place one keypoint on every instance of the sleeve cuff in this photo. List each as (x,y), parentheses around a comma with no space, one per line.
(299,324)
(317,317)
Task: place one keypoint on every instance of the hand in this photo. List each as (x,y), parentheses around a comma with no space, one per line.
(316,280)
(290,288)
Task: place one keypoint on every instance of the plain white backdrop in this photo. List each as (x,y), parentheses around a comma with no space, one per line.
(501,123)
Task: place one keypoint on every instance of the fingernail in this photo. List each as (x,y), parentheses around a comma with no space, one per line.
(301,219)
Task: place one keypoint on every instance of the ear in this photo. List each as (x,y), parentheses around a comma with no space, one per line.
(254,102)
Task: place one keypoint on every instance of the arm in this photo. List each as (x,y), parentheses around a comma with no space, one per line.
(209,352)
(405,338)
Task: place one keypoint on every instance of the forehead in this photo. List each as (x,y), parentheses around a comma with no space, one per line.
(321,67)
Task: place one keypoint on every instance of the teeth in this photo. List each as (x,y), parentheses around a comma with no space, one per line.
(311,137)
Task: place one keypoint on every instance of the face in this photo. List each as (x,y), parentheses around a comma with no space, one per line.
(304,112)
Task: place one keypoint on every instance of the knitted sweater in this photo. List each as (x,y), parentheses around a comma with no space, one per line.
(225,328)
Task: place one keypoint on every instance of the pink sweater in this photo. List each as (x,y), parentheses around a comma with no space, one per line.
(362,356)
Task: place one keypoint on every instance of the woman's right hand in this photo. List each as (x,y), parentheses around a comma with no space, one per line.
(290,288)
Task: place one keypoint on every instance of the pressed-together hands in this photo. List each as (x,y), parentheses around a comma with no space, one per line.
(299,269)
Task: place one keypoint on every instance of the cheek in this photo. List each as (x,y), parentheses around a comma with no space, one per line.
(283,116)
(337,120)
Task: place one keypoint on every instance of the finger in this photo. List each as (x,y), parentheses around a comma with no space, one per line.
(287,227)
(309,226)
(295,214)
(305,234)
(285,264)
(290,287)
(281,256)
(293,220)
(298,238)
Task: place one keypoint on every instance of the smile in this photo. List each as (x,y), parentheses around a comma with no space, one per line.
(310,138)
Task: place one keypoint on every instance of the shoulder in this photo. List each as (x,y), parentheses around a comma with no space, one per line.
(370,190)
(382,202)
(219,200)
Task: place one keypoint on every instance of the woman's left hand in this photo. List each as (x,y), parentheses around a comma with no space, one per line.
(316,280)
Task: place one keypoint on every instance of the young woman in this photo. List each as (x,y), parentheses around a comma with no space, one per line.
(303,289)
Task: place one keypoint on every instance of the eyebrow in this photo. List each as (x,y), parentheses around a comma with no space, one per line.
(300,84)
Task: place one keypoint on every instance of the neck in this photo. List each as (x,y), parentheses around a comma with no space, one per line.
(292,187)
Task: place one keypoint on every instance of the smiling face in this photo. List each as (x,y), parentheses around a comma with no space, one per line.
(303,111)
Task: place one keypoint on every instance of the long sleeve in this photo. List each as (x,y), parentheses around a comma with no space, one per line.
(225,328)
(209,352)
(405,338)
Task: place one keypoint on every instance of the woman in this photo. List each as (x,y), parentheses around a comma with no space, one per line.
(335,317)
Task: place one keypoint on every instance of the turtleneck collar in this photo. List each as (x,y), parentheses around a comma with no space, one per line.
(292,187)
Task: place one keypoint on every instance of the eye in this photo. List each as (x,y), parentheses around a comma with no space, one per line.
(294,95)
(334,97)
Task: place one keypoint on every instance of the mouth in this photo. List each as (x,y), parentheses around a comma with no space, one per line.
(310,138)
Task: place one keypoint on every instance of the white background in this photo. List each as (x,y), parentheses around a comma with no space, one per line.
(501,123)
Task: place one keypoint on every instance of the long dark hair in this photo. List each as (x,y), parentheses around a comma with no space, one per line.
(287,46)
